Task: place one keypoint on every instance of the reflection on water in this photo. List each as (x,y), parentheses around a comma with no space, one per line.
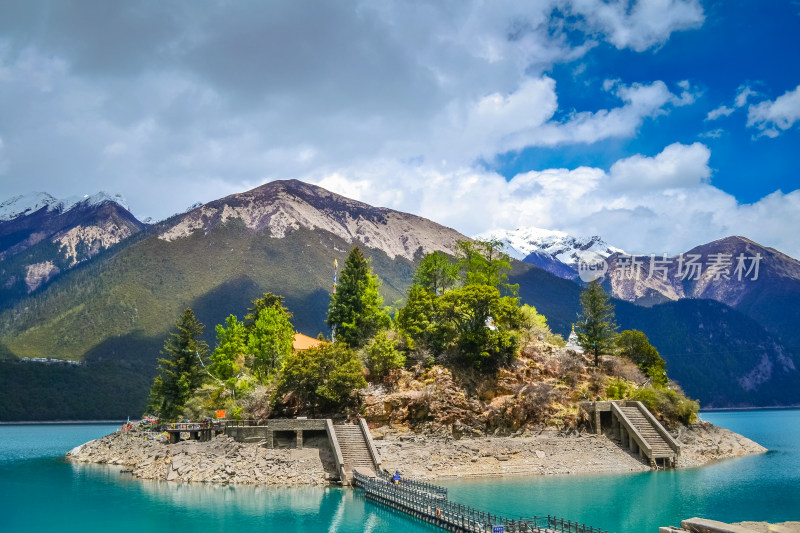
(167,504)
(243,499)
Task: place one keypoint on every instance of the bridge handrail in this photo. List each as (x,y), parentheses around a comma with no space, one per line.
(376,459)
(188,426)
(418,485)
(337,450)
(445,510)
(465,517)
(672,443)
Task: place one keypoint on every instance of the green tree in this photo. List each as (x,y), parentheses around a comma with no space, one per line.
(381,356)
(270,340)
(596,327)
(265,302)
(635,345)
(436,273)
(356,310)
(416,319)
(478,322)
(485,263)
(181,373)
(536,326)
(322,378)
(228,358)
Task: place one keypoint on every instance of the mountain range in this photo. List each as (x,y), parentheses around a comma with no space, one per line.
(112,302)
(41,237)
(758,281)
(554,251)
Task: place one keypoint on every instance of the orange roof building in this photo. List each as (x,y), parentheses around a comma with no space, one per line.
(304,342)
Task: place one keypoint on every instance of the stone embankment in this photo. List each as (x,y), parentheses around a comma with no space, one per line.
(704,525)
(221,460)
(549,452)
(545,453)
(703,443)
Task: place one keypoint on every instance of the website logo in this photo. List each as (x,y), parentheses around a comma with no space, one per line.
(592,268)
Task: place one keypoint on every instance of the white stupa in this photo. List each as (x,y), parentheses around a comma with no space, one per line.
(572,341)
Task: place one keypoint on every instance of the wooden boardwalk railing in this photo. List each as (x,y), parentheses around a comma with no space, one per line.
(416,485)
(430,504)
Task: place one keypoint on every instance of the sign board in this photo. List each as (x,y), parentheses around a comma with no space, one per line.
(498,529)
(220,413)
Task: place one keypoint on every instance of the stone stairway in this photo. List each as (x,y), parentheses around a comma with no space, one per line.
(659,446)
(635,427)
(354,449)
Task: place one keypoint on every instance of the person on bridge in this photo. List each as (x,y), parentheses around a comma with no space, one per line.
(396,477)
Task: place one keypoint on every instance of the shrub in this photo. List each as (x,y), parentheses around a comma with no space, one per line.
(618,389)
(258,404)
(669,405)
(382,358)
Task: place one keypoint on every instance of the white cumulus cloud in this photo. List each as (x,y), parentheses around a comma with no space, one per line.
(773,117)
(662,203)
(640,25)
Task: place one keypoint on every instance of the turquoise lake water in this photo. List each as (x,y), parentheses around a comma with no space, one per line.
(42,492)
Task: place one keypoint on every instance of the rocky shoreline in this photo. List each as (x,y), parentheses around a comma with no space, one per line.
(548,452)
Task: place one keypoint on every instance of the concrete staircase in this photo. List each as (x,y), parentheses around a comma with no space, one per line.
(638,429)
(355,449)
(635,427)
(660,448)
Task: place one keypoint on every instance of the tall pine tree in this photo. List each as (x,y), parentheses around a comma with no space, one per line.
(356,310)
(180,373)
(597,328)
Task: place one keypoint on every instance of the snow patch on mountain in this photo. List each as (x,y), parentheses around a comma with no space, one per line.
(568,249)
(27,204)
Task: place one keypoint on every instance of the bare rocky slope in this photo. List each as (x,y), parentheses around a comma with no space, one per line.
(281,207)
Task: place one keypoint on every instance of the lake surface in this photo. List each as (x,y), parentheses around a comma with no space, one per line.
(43,492)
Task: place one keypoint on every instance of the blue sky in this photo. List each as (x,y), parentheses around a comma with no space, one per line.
(657,124)
(741,44)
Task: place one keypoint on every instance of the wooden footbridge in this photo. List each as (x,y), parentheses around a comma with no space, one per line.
(430,504)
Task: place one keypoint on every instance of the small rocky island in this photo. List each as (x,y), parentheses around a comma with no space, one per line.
(417,455)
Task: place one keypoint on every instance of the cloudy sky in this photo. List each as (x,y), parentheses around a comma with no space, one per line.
(658,124)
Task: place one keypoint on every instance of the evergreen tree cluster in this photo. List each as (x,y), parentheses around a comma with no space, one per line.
(460,311)
(463,310)
(253,354)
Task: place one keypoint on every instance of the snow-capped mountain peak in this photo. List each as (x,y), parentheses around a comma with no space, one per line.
(100,198)
(26,204)
(568,249)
